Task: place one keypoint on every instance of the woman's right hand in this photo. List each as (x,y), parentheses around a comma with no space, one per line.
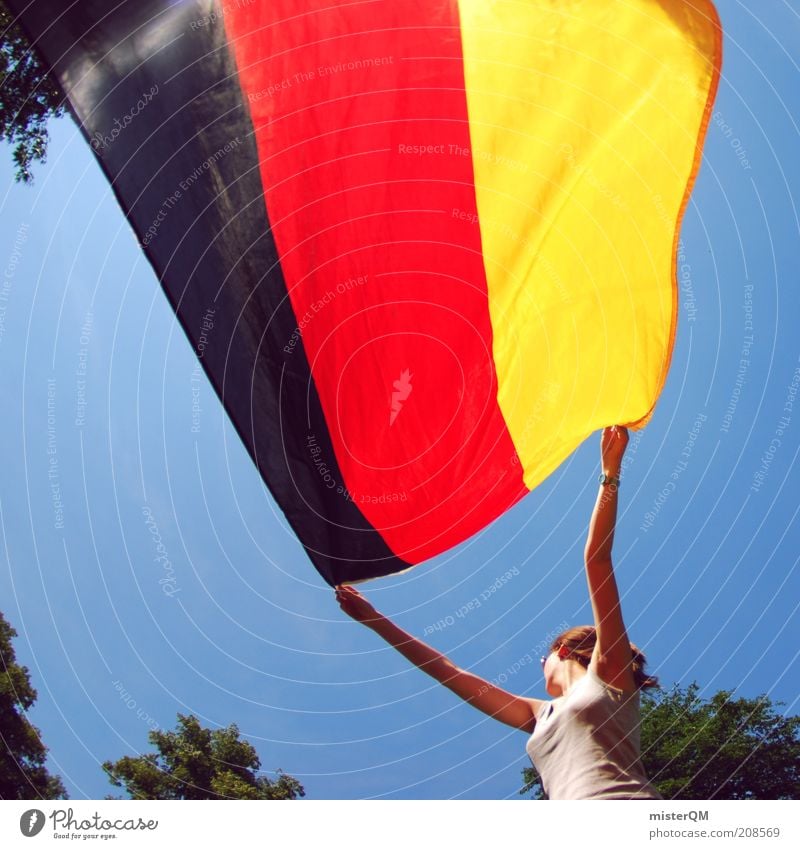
(355,605)
(613,443)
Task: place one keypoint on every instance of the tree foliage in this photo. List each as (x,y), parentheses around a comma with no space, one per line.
(28,97)
(720,748)
(22,753)
(193,762)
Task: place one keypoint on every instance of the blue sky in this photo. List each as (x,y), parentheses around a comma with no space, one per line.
(97,382)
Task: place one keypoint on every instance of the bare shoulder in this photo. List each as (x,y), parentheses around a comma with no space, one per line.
(612,676)
(536,707)
(536,704)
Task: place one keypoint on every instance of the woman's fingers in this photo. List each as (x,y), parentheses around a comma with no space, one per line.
(348,598)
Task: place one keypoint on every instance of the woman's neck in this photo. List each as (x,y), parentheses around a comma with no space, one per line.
(571,675)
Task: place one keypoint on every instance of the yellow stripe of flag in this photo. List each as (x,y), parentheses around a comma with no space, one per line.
(586,124)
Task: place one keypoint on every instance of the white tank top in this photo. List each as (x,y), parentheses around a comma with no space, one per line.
(585,745)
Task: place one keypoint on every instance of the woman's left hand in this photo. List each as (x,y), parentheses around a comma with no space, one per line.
(613,443)
(355,605)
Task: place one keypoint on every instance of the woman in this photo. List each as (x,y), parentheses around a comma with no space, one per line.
(585,742)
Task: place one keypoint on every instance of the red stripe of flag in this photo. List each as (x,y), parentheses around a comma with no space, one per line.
(363,136)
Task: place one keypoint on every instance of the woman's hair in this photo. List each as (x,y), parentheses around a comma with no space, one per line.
(581,641)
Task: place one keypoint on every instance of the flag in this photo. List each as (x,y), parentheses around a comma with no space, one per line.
(422,250)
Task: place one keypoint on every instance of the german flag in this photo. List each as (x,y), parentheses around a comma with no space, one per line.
(422,250)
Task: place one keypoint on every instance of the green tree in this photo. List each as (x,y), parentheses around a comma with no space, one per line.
(22,753)
(719,748)
(29,97)
(193,762)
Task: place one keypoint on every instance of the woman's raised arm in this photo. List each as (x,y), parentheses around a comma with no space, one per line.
(611,659)
(501,705)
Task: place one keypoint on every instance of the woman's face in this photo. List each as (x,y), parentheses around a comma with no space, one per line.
(552,676)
